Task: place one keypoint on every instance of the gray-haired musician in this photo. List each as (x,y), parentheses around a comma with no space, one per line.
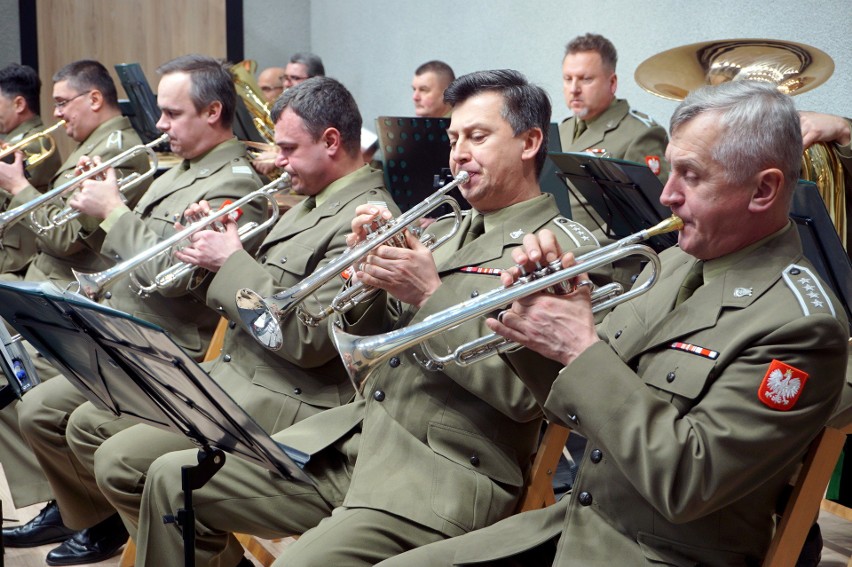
(699,398)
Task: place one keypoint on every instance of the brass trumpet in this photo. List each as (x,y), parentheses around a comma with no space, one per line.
(15,215)
(47,146)
(263,316)
(361,355)
(95,284)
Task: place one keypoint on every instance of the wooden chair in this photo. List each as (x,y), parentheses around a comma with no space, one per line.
(803,506)
(840,510)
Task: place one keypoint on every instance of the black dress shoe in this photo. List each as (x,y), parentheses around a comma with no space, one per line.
(92,544)
(45,528)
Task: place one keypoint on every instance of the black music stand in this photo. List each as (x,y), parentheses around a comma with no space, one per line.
(133,368)
(821,244)
(416,155)
(549,179)
(624,194)
(141,108)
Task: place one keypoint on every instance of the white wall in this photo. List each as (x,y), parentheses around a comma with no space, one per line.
(373,47)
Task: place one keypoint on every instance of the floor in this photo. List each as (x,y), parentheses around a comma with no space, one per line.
(837,536)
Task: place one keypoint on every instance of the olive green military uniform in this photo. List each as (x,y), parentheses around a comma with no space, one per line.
(438,453)
(621,133)
(277,388)
(19,246)
(696,415)
(59,250)
(222,174)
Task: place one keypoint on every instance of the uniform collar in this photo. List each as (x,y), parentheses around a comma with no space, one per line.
(335,186)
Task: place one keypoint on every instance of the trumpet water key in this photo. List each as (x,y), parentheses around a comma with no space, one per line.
(361,355)
(263,316)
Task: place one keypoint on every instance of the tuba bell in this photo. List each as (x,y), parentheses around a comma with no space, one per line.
(793,67)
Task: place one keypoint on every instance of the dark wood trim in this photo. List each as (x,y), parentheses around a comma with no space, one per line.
(235,38)
(29,33)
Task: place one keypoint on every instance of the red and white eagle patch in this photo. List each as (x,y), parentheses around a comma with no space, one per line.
(782,385)
(653,164)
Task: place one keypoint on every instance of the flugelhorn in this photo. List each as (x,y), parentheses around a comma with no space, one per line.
(263,316)
(9,218)
(361,355)
(46,146)
(95,284)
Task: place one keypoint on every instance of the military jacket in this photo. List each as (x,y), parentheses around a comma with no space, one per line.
(696,417)
(62,249)
(19,246)
(447,449)
(305,376)
(222,174)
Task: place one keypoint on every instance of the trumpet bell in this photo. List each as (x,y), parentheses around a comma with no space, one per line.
(260,318)
(794,67)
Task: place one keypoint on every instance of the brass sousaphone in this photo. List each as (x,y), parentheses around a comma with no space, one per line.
(793,67)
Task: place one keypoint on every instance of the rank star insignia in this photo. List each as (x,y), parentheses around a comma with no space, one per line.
(516,233)
(742,292)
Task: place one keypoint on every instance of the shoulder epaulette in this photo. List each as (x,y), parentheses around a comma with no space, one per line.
(643,118)
(808,290)
(579,234)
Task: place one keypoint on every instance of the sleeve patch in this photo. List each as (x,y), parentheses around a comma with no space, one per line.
(781,386)
(808,290)
(579,235)
(654,164)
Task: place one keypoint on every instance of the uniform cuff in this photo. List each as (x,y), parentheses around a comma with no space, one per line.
(113,217)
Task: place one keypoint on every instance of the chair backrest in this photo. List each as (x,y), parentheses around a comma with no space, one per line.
(539,486)
(804,503)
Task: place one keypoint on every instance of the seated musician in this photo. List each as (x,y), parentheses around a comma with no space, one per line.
(439,453)
(699,398)
(317,127)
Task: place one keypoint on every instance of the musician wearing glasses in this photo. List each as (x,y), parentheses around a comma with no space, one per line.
(317,128)
(420,455)
(197,99)
(699,398)
(85,97)
(301,67)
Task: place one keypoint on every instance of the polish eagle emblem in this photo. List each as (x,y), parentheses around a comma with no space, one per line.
(781,386)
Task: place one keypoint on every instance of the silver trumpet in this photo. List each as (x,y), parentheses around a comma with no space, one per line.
(263,316)
(361,355)
(95,284)
(15,215)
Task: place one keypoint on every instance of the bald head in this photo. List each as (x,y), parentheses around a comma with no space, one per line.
(270,83)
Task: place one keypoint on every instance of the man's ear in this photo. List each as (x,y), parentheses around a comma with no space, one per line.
(19,103)
(332,140)
(769,184)
(213,113)
(96,99)
(533,139)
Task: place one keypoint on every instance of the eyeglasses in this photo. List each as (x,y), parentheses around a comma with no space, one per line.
(293,78)
(267,89)
(61,103)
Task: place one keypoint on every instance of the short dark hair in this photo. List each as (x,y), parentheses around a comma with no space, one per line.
(597,43)
(88,74)
(525,105)
(321,103)
(211,80)
(312,62)
(21,80)
(440,68)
